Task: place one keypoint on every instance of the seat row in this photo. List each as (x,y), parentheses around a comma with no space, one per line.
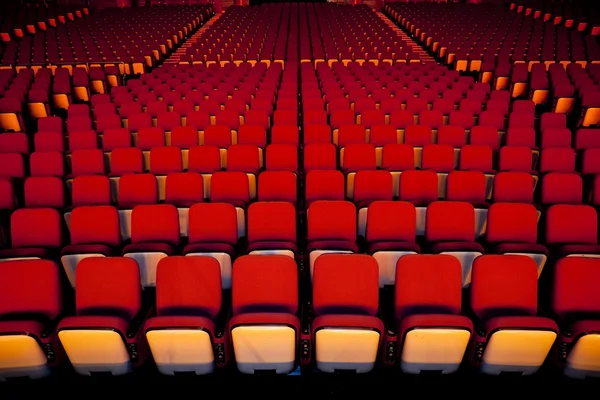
(191,328)
(151,232)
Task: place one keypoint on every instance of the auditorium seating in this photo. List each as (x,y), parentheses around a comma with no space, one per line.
(298,187)
(531,56)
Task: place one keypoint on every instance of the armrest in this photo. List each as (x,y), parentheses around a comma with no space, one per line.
(221,341)
(389,348)
(55,354)
(305,334)
(137,345)
(138,321)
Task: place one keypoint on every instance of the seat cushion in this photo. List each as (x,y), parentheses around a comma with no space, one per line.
(434,321)
(457,247)
(347,321)
(165,248)
(526,248)
(88,249)
(332,245)
(290,320)
(273,245)
(209,248)
(394,246)
(34,252)
(186,322)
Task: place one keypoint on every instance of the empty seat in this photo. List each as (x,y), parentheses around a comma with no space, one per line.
(390,234)
(265,314)
(105,335)
(213,232)
(183,335)
(272,229)
(154,236)
(449,228)
(504,297)
(346,331)
(324,185)
(572,230)
(331,229)
(433,335)
(575,303)
(95,232)
(512,229)
(278,186)
(30,302)
(35,233)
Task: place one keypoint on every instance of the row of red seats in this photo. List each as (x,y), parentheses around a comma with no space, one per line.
(334,35)
(98,38)
(149,232)
(493,54)
(580,15)
(191,328)
(19,19)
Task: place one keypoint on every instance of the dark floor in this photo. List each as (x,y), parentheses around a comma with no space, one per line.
(390,382)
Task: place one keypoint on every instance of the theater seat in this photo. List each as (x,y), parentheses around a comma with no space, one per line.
(432,335)
(30,302)
(265,329)
(213,232)
(154,236)
(105,335)
(577,305)
(272,229)
(511,337)
(95,232)
(331,229)
(390,235)
(182,336)
(346,331)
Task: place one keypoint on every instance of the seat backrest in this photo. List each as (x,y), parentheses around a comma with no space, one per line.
(108,286)
(427,284)
(267,284)
(30,288)
(504,285)
(346,284)
(188,286)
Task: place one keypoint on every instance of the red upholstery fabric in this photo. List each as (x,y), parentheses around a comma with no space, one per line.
(20,294)
(428,284)
(155,223)
(110,284)
(213,222)
(265,284)
(504,285)
(271,221)
(188,284)
(95,225)
(575,289)
(359,294)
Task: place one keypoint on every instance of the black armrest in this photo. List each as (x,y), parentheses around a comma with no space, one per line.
(386,309)
(138,321)
(306,318)
(223,318)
